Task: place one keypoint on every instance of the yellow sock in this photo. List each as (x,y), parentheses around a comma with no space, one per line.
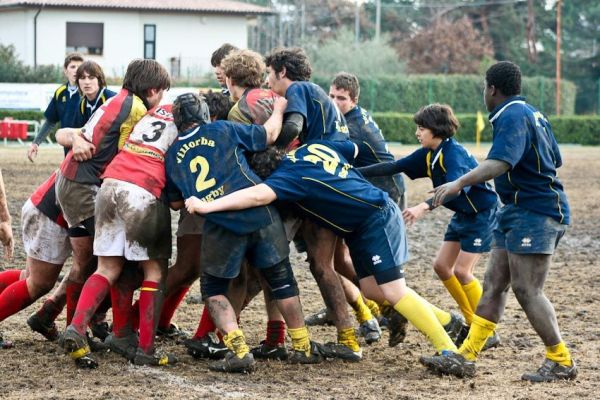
(460,296)
(560,354)
(300,339)
(480,330)
(362,312)
(347,337)
(374,307)
(418,311)
(473,290)
(442,316)
(236,342)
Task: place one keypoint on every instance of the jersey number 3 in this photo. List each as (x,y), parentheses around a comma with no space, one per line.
(200,165)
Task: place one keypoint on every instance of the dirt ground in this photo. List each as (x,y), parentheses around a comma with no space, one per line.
(37,369)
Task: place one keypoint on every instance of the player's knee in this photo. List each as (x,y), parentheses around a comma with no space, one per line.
(441,268)
(37,288)
(213,286)
(522,291)
(463,274)
(281,281)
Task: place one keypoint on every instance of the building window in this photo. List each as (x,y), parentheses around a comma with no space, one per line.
(150,41)
(85,37)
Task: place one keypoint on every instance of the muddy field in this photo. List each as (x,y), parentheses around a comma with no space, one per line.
(36,369)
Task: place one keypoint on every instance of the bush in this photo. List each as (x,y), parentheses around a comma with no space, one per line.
(585,130)
(408,93)
(13,70)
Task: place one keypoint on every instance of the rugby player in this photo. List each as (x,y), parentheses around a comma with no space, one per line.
(208,160)
(523,161)
(215,60)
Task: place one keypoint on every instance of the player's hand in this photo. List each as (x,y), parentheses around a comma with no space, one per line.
(412,214)
(32,152)
(6,237)
(280,104)
(82,149)
(194,205)
(440,193)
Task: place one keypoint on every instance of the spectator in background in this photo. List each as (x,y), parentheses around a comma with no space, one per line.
(62,106)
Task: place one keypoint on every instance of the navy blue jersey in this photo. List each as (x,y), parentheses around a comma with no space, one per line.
(445,164)
(372,149)
(62,107)
(86,107)
(523,138)
(318,177)
(322,119)
(209,162)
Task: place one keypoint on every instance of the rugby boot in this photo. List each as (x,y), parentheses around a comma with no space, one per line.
(491,342)
(343,352)
(370,331)
(156,359)
(312,357)
(5,344)
(76,345)
(172,332)
(205,348)
(47,330)
(397,325)
(551,371)
(449,363)
(322,317)
(232,363)
(462,335)
(125,346)
(267,352)
(100,329)
(455,325)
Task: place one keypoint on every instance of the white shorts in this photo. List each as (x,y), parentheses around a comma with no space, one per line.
(43,239)
(131,222)
(189,224)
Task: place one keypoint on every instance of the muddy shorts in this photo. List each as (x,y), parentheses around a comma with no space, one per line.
(77,202)
(474,232)
(131,222)
(189,224)
(43,239)
(522,231)
(224,251)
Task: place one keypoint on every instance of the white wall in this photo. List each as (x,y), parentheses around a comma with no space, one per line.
(192,37)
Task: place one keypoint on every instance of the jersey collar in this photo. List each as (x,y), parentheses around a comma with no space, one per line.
(495,114)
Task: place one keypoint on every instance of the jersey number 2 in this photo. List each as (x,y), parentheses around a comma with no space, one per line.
(200,165)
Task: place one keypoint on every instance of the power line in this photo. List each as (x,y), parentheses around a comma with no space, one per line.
(454,5)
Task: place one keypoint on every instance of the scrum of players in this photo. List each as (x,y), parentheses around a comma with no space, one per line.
(252,169)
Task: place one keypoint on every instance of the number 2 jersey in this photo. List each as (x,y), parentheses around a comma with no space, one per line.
(141,161)
(209,162)
(318,177)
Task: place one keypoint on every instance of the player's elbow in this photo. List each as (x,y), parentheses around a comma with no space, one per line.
(64,137)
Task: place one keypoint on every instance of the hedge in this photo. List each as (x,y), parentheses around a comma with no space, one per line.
(585,130)
(407,93)
(399,127)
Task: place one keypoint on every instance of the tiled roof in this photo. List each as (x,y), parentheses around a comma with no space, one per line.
(194,6)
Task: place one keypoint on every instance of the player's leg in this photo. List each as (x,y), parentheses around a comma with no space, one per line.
(81,269)
(321,248)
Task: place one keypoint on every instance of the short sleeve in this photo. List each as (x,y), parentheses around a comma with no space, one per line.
(346,148)
(287,185)
(510,140)
(251,137)
(296,101)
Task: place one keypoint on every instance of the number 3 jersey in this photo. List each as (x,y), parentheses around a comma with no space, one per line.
(318,177)
(141,161)
(210,162)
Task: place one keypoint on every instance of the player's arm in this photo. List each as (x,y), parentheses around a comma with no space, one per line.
(39,138)
(273,124)
(177,205)
(253,196)
(488,169)
(72,137)
(388,168)
(292,127)
(6,234)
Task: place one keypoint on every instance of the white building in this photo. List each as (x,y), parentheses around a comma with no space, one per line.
(180,34)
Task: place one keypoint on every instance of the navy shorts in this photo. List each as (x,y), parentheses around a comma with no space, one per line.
(475,232)
(379,246)
(223,251)
(522,231)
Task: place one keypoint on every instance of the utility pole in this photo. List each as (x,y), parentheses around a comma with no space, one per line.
(377,20)
(558,8)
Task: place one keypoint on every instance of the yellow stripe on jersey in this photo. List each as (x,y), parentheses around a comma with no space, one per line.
(138,110)
(142,151)
(323,218)
(442,162)
(428,162)
(59,91)
(340,192)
